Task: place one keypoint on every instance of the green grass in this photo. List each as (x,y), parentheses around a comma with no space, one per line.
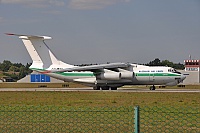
(99,98)
(95,111)
(170,119)
(65,119)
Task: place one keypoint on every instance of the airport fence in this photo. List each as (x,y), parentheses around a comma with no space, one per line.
(65,119)
(167,119)
(98,119)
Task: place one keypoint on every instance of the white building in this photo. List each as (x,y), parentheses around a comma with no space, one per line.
(192,69)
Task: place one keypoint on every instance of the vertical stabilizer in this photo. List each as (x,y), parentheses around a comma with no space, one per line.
(40,53)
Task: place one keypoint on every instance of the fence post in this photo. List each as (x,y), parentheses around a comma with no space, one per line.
(136,119)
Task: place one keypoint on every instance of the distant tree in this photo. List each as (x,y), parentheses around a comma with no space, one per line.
(155,62)
(14,69)
(27,68)
(22,72)
(5,65)
(168,63)
(13,76)
(179,66)
(18,65)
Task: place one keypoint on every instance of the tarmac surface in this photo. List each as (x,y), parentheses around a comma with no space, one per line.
(91,89)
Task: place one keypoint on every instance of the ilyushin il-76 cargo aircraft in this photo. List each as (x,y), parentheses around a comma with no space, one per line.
(104,76)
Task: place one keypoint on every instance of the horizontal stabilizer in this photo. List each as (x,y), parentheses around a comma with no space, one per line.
(29,36)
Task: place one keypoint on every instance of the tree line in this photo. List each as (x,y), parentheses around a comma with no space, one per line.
(14,70)
(158,62)
(17,70)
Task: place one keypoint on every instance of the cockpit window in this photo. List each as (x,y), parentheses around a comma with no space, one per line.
(173,71)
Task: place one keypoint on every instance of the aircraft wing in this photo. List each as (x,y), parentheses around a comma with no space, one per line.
(93,68)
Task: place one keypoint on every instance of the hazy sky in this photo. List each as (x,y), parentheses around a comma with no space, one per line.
(100,31)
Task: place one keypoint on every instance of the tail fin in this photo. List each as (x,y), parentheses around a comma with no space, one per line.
(42,56)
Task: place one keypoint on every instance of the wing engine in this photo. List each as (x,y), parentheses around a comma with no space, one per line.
(112,75)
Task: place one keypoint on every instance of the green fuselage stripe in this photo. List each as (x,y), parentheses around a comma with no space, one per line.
(75,74)
(85,74)
(157,74)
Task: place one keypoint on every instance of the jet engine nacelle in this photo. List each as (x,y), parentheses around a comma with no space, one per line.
(116,75)
(109,76)
(127,75)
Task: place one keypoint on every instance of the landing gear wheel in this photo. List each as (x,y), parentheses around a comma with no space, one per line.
(105,87)
(152,87)
(96,88)
(113,88)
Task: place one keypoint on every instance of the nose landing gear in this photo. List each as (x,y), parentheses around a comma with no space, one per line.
(152,87)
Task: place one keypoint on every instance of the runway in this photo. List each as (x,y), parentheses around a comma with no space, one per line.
(91,89)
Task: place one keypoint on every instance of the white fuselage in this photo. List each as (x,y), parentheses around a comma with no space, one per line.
(143,75)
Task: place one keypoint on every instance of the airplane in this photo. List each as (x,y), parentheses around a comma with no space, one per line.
(100,77)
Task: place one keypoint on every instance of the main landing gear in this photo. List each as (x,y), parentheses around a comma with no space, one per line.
(152,87)
(96,88)
(104,88)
